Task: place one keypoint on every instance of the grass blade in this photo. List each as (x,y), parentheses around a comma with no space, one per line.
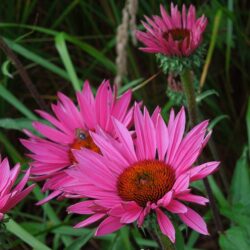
(36,58)
(17,230)
(216,25)
(64,54)
(10,98)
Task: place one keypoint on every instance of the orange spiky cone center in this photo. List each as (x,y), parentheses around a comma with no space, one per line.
(145,181)
(83,140)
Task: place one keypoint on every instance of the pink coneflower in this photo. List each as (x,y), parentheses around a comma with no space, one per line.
(10,195)
(70,129)
(150,173)
(178,34)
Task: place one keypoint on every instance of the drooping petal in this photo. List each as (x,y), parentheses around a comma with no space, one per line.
(203,170)
(108,226)
(193,198)
(176,207)
(195,221)
(89,220)
(166,225)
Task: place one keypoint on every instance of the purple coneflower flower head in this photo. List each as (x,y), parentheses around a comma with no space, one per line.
(178,34)
(149,171)
(11,194)
(70,129)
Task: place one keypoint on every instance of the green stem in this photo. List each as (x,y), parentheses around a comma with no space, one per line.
(162,240)
(188,87)
(166,244)
(187,83)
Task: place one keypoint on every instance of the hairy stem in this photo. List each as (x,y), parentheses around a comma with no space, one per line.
(187,83)
(188,86)
(162,240)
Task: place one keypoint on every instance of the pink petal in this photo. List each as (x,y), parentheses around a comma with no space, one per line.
(23,182)
(90,220)
(166,199)
(176,207)
(175,135)
(48,198)
(109,150)
(121,106)
(181,184)
(83,207)
(104,104)
(195,221)
(193,198)
(132,212)
(166,225)
(17,198)
(203,170)
(108,226)
(125,139)
(162,137)
(52,133)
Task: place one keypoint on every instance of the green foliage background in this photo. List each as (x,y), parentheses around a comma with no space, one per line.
(62,43)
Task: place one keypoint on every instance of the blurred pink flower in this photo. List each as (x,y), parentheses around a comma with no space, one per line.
(149,173)
(10,195)
(70,130)
(178,34)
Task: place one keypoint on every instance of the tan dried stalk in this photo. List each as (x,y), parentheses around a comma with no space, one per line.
(128,22)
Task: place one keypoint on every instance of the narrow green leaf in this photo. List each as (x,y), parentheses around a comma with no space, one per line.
(129,85)
(248,125)
(87,48)
(25,236)
(216,120)
(216,25)
(10,98)
(64,54)
(217,192)
(106,62)
(18,124)
(36,58)
(66,11)
(80,242)
(206,94)
(179,243)
(10,148)
(5,69)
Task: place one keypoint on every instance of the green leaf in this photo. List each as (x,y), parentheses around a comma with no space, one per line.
(206,94)
(248,125)
(10,98)
(179,243)
(68,230)
(64,54)
(5,69)
(122,241)
(80,242)
(129,85)
(240,186)
(235,238)
(89,49)
(18,124)
(216,120)
(106,62)
(36,58)
(238,215)
(25,236)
